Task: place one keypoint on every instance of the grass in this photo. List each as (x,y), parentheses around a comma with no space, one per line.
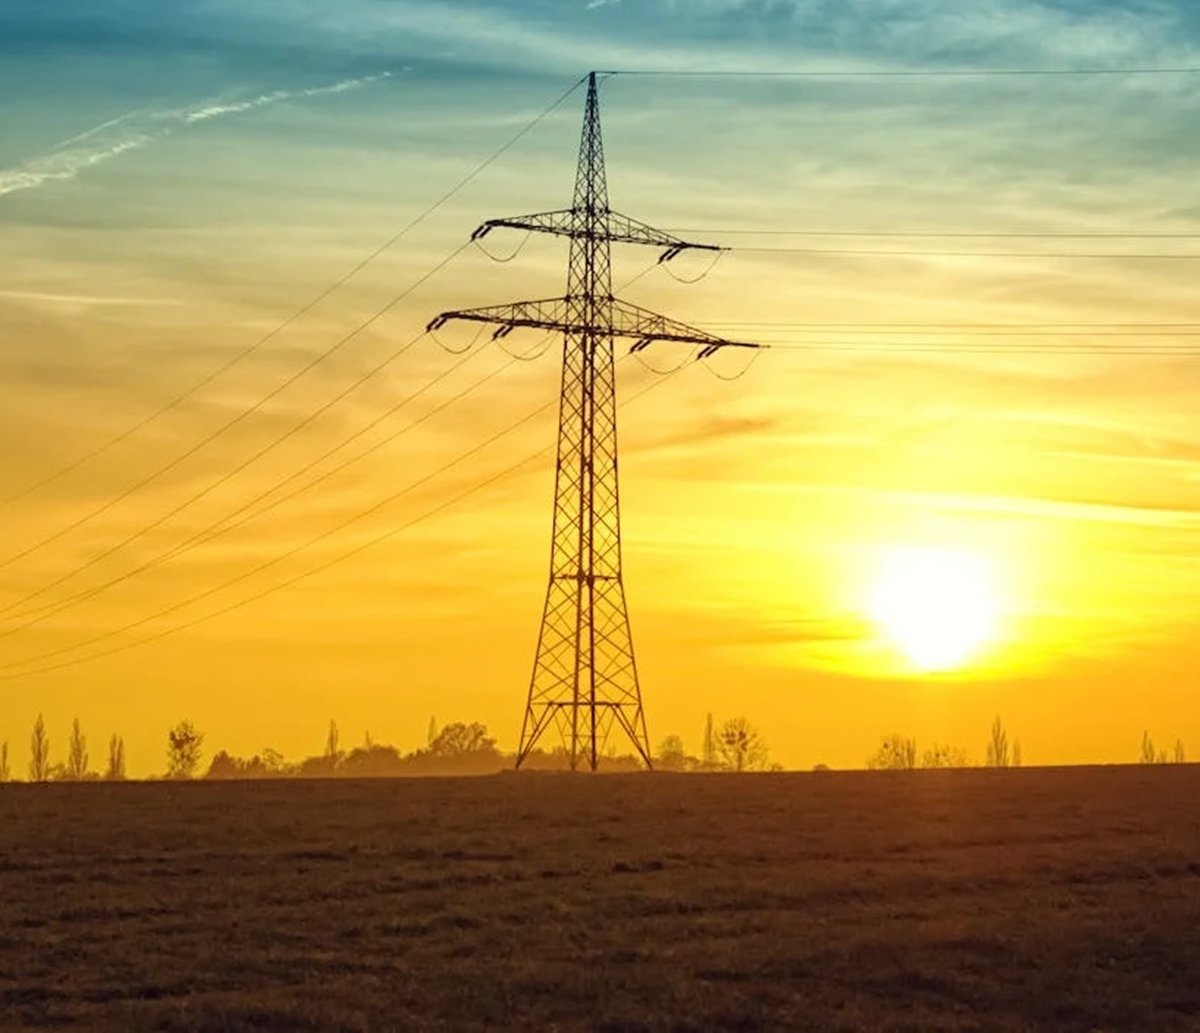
(1029,899)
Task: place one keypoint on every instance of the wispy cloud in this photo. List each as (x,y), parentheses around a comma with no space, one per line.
(215,110)
(137,129)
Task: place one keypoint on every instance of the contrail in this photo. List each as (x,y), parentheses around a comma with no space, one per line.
(208,111)
(136,129)
(61,165)
(88,133)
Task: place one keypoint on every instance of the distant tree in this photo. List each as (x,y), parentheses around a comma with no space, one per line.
(1016,753)
(1180,754)
(821,768)
(944,757)
(332,750)
(671,755)
(1149,753)
(76,768)
(739,747)
(273,763)
(39,752)
(372,761)
(223,766)
(895,753)
(998,755)
(432,734)
(184,745)
(458,738)
(5,774)
(708,753)
(115,771)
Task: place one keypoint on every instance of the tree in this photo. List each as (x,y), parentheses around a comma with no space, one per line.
(332,741)
(739,747)
(183,750)
(1149,754)
(39,752)
(76,768)
(998,755)
(944,757)
(708,757)
(895,753)
(457,739)
(1180,754)
(671,755)
(5,774)
(1016,753)
(432,734)
(115,772)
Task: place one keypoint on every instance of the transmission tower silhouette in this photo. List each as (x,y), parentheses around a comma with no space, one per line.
(585,680)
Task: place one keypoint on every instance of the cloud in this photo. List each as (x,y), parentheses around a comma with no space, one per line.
(215,110)
(137,129)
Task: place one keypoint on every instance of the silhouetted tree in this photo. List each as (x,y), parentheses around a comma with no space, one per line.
(998,755)
(432,734)
(332,742)
(5,774)
(184,745)
(895,753)
(672,756)
(76,768)
(1016,753)
(944,757)
(1149,754)
(372,761)
(708,753)
(1180,754)
(739,746)
(39,752)
(115,771)
(458,738)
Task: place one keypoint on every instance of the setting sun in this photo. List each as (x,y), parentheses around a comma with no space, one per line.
(937,605)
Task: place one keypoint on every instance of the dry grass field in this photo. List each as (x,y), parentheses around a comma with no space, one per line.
(1029,899)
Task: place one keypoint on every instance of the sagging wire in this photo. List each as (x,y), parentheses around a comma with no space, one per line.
(534,354)
(662,372)
(755,355)
(497,258)
(458,351)
(704,275)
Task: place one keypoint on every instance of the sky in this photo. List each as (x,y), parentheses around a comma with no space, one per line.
(177,181)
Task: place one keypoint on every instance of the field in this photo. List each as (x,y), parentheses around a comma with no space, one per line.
(1048,899)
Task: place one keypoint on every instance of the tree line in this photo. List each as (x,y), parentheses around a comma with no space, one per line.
(459,748)
(899,753)
(77,765)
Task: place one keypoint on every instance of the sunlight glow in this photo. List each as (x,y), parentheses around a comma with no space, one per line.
(938,605)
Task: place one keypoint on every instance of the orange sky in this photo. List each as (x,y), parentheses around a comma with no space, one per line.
(755,510)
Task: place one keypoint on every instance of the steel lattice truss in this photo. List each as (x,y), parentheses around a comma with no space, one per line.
(585,682)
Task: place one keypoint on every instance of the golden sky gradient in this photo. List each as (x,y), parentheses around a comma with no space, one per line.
(755,511)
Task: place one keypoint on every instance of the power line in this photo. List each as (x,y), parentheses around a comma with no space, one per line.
(943,234)
(905,73)
(6,674)
(888,253)
(358,267)
(230,522)
(217,482)
(242,415)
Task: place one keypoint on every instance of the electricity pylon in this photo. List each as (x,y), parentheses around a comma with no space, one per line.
(585,678)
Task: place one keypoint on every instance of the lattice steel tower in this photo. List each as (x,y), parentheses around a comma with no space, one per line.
(585,680)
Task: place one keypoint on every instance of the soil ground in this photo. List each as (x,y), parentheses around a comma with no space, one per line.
(943,900)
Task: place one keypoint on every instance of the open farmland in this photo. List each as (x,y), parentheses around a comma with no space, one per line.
(1056,899)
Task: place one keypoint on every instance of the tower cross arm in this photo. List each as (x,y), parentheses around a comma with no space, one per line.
(628,321)
(612,226)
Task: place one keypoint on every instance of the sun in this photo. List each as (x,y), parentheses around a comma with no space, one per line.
(938,605)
